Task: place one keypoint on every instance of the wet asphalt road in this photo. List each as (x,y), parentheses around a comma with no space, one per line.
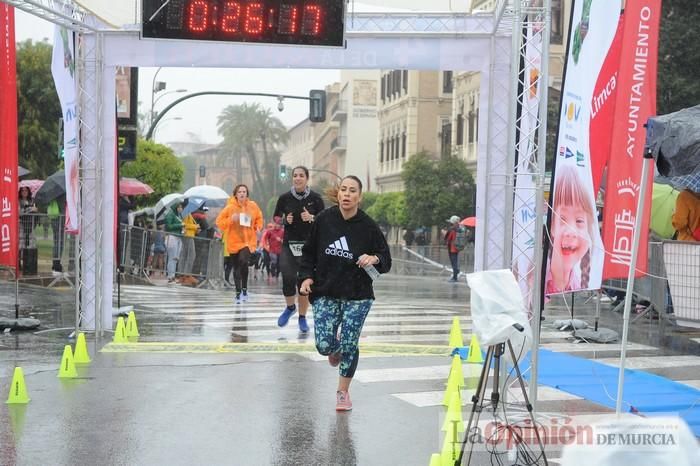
(234,408)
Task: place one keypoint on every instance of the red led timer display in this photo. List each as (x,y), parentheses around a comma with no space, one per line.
(305,22)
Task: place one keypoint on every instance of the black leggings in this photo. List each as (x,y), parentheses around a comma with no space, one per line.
(289,266)
(239,263)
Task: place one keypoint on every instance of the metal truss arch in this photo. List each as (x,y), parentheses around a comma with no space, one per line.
(65,13)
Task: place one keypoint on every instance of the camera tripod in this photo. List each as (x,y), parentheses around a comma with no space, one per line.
(493,357)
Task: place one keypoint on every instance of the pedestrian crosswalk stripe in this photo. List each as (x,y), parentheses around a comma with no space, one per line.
(268,347)
(580,347)
(690,383)
(434,398)
(414,373)
(653,362)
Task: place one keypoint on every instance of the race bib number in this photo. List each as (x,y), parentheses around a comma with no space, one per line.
(295,247)
(244,219)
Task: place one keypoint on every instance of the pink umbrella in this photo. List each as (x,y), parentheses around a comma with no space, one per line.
(33,185)
(468,222)
(133,187)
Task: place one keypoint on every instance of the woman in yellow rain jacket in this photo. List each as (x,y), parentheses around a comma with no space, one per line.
(686,218)
(239,223)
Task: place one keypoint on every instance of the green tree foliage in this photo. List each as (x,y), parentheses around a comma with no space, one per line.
(368,199)
(38,109)
(420,188)
(157,166)
(679,56)
(435,190)
(252,132)
(398,216)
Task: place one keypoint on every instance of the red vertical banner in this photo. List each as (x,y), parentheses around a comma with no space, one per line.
(636,102)
(9,229)
(603,108)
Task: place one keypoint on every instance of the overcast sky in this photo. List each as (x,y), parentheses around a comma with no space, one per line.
(199,115)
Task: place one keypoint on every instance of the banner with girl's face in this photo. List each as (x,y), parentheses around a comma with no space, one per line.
(576,254)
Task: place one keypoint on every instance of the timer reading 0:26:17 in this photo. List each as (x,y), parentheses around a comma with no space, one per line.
(304,22)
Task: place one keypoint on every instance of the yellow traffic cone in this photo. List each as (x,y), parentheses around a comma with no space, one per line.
(67,369)
(132,330)
(453,420)
(475,355)
(456,334)
(120,332)
(452,387)
(81,355)
(449,450)
(456,370)
(435,459)
(18,390)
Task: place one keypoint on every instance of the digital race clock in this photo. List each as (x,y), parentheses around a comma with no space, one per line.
(293,22)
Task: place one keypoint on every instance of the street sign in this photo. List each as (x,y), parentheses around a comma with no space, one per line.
(126,144)
(291,22)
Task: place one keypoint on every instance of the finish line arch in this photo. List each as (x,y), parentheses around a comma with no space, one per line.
(419,40)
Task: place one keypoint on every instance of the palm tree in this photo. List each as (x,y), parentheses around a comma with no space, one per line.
(251,131)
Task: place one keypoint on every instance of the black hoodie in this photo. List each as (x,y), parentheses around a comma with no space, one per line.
(330,254)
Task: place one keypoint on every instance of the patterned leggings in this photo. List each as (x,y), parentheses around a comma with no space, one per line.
(331,313)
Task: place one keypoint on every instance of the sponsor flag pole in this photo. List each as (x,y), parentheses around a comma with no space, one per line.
(636,240)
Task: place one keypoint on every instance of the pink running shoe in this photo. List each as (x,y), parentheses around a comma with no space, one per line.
(342,401)
(334,359)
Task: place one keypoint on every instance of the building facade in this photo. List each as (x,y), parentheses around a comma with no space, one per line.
(465,117)
(325,165)
(415,110)
(356,114)
(300,145)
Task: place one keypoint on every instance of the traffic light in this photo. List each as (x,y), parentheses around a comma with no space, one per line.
(317,105)
(283,172)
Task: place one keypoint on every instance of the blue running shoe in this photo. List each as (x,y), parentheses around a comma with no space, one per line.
(238,298)
(244,296)
(286,314)
(303,325)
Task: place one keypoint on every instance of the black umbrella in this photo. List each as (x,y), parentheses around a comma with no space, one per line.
(674,140)
(53,187)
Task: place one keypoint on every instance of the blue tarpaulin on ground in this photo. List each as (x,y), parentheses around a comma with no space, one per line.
(646,393)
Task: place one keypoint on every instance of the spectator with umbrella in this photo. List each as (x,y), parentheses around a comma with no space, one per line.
(52,194)
(27,242)
(190,229)
(174,227)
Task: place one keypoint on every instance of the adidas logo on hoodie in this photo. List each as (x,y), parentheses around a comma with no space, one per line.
(339,248)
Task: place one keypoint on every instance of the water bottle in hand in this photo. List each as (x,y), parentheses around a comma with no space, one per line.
(371,271)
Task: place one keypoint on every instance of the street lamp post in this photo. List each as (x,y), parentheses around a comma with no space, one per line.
(153,111)
(154,90)
(161,122)
(280,97)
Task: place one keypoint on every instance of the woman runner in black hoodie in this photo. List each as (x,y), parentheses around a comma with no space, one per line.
(345,246)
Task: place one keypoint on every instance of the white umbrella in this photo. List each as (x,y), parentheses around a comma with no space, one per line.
(166,202)
(212,193)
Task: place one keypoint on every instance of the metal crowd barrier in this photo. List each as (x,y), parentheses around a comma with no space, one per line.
(45,249)
(138,258)
(682,263)
(429,260)
(671,288)
(200,258)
